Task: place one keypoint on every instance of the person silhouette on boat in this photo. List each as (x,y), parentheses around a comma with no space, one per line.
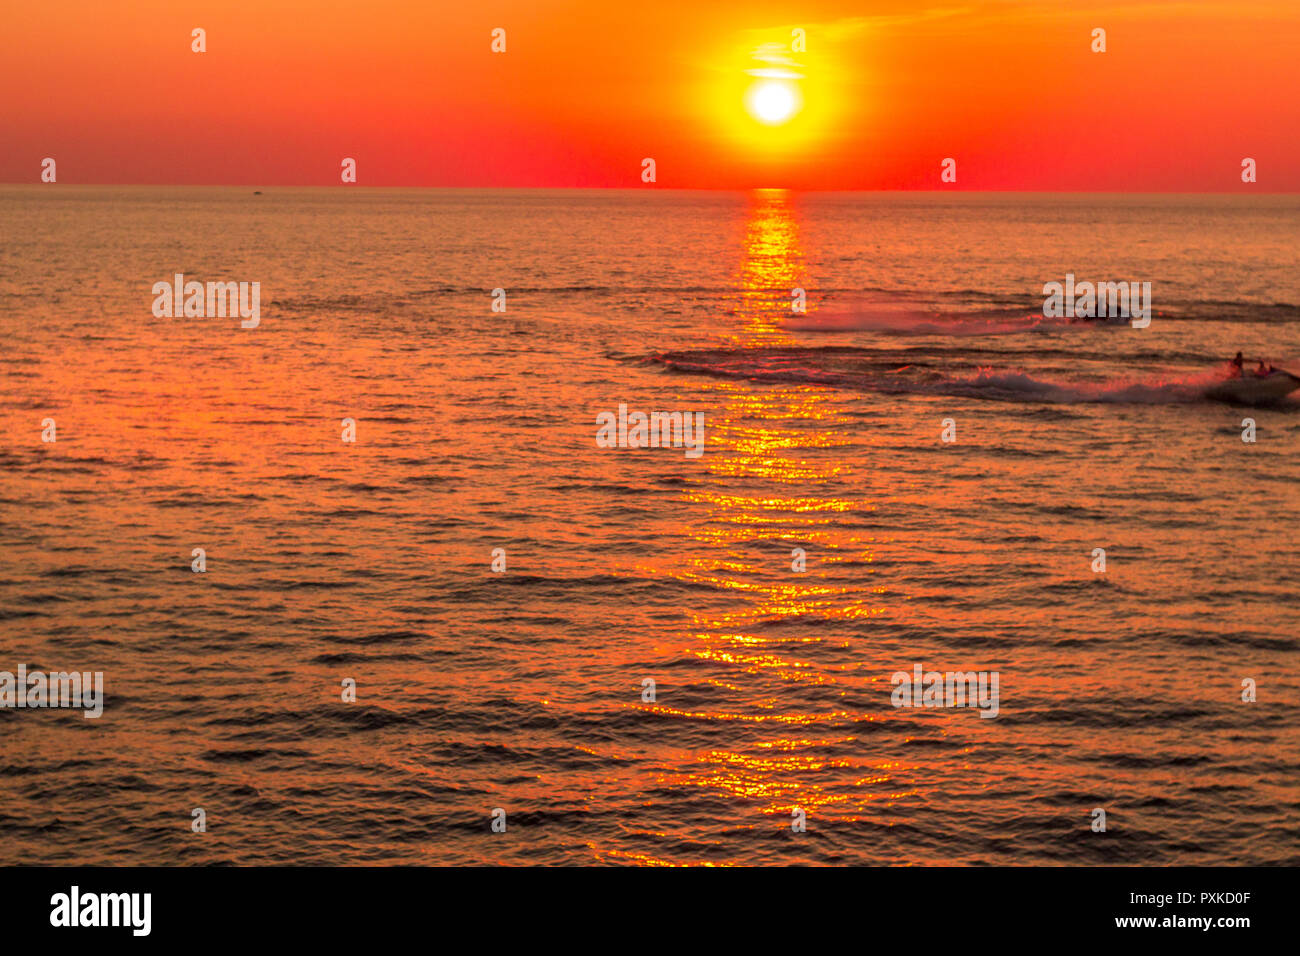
(1236,364)
(1264,370)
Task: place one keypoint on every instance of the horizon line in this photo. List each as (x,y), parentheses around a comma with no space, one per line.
(658,188)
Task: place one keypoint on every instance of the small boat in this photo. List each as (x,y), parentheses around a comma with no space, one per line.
(1252,389)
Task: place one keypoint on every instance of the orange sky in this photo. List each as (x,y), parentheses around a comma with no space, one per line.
(587,88)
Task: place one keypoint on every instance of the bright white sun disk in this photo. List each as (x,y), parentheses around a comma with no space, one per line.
(772,102)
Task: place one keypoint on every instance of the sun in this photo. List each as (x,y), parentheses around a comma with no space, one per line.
(772,101)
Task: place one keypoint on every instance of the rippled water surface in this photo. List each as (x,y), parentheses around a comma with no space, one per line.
(475,431)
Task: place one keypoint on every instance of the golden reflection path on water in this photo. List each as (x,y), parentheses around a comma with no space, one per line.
(745,550)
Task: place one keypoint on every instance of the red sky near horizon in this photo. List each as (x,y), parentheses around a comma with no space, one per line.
(586,89)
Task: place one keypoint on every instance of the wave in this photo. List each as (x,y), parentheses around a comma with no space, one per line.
(866,307)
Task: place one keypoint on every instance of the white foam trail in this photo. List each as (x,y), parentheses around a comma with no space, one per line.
(817,367)
(1188,388)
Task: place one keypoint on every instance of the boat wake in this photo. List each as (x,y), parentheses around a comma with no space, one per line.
(904,316)
(907,322)
(855,369)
